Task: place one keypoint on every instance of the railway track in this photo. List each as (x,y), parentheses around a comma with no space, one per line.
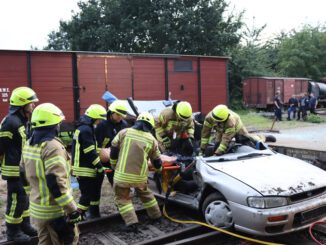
(321,111)
(108,230)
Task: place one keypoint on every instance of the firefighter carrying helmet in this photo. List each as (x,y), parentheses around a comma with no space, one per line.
(146,117)
(46,114)
(96,111)
(118,107)
(22,96)
(184,110)
(220,113)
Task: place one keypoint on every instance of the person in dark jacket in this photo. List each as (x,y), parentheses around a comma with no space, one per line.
(105,132)
(293,104)
(86,162)
(278,106)
(303,106)
(13,134)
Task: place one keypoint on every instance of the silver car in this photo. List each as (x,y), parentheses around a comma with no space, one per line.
(259,192)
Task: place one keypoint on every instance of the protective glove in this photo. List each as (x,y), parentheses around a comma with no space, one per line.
(74,217)
(158,170)
(166,142)
(99,169)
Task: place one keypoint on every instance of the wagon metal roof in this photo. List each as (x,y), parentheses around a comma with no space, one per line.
(297,78)
(152,55)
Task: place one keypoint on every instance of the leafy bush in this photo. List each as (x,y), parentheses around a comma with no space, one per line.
(314,119)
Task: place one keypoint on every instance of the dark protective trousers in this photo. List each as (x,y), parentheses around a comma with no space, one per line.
(17,202)
(90,189)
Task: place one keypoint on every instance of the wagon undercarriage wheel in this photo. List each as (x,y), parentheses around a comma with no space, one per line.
(217,211)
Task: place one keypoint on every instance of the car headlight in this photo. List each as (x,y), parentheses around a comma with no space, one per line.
(267,202)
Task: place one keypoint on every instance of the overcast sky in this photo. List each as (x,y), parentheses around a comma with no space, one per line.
(26,23)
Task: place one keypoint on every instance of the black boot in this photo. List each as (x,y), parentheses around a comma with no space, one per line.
(270,138)
(131,228)
(27,228)
(14,233)
(93,212)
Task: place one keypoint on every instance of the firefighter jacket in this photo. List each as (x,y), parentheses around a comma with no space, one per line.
(225,131)
(13,136)
(106,131)
(167,123)
(46,167)
(135,147)
(85,158)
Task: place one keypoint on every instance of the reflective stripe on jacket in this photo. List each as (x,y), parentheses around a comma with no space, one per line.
(38,161)
(167,123)
(135,148)
(13,138)
(84,151)
(225,131)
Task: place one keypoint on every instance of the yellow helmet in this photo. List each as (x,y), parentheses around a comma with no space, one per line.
(184,110)
(96,111)
(146,117)
(46,114)
(119,107)
(220,113)
(22,96)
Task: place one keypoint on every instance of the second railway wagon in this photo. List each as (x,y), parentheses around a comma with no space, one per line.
(259,92)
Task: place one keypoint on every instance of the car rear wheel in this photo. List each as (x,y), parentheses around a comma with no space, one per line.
(217,211)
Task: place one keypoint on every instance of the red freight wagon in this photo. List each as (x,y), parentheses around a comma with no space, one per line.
(259,92)
(74,80)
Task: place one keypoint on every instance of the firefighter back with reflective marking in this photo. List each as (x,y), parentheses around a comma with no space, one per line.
(131,149)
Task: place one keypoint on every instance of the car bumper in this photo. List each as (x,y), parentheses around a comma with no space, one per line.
(296,217)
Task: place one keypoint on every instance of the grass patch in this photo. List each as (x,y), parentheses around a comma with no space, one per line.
(315,119)
(257,121)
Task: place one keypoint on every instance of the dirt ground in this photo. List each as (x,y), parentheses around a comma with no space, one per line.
(107,206)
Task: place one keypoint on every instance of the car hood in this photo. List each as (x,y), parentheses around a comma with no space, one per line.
(276,174)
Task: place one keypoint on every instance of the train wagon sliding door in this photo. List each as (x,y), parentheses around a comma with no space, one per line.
(51,77)
(13,73)
(183,80)
(100,73)
(148,78)
(214,90)
(91,79)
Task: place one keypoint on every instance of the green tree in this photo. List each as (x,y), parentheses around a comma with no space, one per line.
(153,26)
(251,57)
(303,53)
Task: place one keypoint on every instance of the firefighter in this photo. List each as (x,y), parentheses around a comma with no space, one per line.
(105,132)
(175,128)
(130,151)
(45,166)
(228,125)
(13,134)
(86,162)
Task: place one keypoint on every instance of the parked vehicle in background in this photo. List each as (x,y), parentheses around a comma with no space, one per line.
(259,92)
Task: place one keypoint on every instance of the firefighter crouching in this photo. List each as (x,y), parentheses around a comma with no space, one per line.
(130,151)
(228,125)
(105,132)
(13,135)
(175,129)
(45,166)
(86,162)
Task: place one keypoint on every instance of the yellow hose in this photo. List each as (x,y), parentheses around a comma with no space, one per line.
(217,229)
